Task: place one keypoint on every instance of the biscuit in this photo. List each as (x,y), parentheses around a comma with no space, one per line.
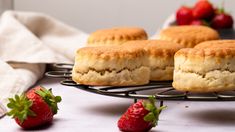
(204,70)
(188,36)
(160,57)
(116,36)
(110,65)
(216,44)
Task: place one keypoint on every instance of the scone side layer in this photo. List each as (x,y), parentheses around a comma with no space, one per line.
(213,81)
(204,70)
(205,60)
(125,77)
(109,58)
(160,55)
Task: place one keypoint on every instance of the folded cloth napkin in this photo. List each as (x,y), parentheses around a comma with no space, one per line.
(29,41)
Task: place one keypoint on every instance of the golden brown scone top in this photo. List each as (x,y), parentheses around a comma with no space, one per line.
(216,44)
(116,36)
(109,52)
(207,52)
(188,36)
(155,47)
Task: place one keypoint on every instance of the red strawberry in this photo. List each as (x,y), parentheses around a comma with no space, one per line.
(203,9)
(198,22)
(140,117)
(35,108)
(222,20)
(184,16)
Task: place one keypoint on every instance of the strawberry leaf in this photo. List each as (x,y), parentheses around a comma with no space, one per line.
(58,99)
(49,98)
(149,117)
(20,107)
(148,106)
(154,112)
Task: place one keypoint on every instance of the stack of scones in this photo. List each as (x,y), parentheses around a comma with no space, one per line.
(192,56)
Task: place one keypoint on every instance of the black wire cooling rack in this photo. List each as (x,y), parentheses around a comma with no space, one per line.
(161,90)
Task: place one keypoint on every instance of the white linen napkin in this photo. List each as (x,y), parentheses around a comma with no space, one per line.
(29,41)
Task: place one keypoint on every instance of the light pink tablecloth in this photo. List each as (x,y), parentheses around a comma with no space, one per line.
(87,112)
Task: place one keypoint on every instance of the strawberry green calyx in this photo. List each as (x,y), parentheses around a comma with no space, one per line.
(49,98)
(154,112)
(221,9)
(206,23)
(20,107)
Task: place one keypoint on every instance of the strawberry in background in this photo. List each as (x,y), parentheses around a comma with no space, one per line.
(203,9)
(140,117)
(199,22)
(222,20)
(184,16)
(204,13)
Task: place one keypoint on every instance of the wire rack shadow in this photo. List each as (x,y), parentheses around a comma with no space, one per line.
(161,90)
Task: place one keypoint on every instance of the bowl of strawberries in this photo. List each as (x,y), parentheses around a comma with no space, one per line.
(203,12)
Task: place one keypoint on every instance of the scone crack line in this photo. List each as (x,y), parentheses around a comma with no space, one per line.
(205,74)
(161,68)
(102,72)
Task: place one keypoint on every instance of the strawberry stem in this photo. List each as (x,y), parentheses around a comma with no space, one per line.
(221,8)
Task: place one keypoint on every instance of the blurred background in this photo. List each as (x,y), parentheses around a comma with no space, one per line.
(89,15)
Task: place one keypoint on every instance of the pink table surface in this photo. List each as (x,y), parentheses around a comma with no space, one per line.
(87,112)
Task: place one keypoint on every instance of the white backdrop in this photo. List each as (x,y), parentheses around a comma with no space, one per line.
(89,15)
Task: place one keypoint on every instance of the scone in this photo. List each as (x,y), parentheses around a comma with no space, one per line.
(188,36)
(216,44)
(160,57)
(116,36)
(204,70)
(110,65)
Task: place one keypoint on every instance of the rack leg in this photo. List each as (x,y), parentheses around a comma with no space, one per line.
(135,100)
(161,104)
